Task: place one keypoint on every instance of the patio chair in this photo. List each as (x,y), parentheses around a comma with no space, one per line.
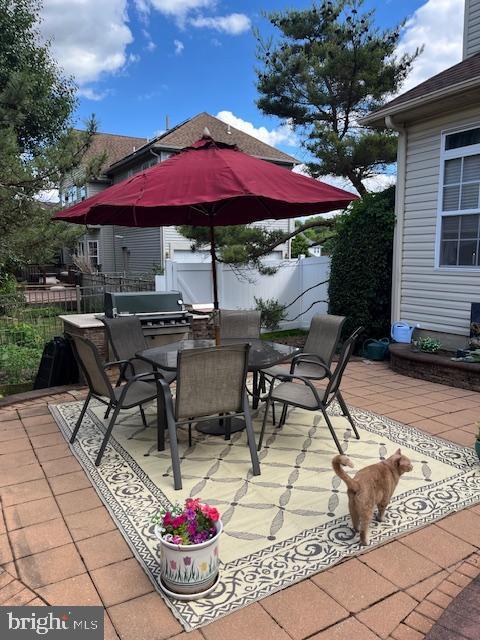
(210,382)
(125,336)
(239,323)
(306,396)
(139,389)
(320,347)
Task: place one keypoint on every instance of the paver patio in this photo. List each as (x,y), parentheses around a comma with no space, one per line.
(58,544)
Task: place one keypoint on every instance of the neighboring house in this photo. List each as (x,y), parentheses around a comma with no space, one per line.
(436,268)
(116,248)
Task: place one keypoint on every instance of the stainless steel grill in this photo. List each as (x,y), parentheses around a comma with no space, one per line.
(161,313)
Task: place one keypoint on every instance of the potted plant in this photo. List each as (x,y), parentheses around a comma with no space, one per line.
(427,344)
(189,537)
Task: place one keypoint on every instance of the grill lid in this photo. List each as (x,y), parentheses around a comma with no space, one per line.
(143,302)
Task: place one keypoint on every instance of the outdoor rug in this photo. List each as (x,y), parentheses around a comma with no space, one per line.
(282,526)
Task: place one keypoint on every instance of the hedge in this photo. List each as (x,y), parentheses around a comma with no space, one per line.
(361,267)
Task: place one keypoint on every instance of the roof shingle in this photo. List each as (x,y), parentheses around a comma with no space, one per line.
(188,132)
(461,72)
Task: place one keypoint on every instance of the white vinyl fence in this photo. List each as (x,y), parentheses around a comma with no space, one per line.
(237,289)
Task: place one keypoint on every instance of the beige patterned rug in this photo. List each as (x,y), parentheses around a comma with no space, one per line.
(284,525)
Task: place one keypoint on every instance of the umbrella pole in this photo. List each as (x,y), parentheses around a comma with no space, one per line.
(215,286)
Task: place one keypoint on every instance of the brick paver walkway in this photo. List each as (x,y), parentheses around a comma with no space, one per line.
(58,544)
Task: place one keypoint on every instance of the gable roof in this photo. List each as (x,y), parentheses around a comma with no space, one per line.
(450,81)
(191,130)
(115,146)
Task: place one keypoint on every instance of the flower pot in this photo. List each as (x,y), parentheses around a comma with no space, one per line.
(477,447)
(189,569)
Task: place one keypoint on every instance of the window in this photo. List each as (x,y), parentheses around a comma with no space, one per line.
(80,248)
(459,200)
(93,252)
(74,194)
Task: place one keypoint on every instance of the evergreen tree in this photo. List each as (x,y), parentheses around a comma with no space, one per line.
(38,145)
(326,67)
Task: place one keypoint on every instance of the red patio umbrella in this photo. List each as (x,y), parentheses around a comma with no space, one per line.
(208,184)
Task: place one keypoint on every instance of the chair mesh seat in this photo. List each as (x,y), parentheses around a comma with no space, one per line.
(139,392)
(301,369)
(297,394)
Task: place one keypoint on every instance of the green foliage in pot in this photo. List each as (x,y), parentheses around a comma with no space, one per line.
(272,312)
(427,344)
(361,268)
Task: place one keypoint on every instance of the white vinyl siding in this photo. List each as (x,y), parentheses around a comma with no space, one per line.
(437,299)
(471,35)
(174,241)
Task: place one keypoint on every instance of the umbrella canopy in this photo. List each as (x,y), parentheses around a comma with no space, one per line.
(208,184)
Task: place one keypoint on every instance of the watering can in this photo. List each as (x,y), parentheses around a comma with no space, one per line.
(375,349)
(402,332)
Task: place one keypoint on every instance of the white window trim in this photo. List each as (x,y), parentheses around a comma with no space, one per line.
(461,152)
(89,255)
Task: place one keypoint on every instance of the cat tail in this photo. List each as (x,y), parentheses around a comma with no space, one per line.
(344,461)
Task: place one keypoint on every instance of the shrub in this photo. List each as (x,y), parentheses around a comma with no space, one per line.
(18,364)
(361,268)
(8,284)
(427,344)
(272,312)
(34,313)
(23,335)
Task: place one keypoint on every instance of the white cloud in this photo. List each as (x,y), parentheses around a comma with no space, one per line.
(281,135)
(178,9)
(92,94)
(150,46)
(234,24)
(378,182)
(179,47)
(437,24)
(51,196)
(89,38)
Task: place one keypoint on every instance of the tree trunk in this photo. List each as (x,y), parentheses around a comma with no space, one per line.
(357,183)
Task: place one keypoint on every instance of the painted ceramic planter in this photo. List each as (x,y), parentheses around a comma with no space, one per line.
(189,569)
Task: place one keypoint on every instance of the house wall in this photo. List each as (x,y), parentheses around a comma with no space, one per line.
(437,299)
(471,31)
(176,245)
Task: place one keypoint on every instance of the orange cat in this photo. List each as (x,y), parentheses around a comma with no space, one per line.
(372,485)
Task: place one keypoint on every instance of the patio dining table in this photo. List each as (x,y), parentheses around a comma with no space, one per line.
(262,354)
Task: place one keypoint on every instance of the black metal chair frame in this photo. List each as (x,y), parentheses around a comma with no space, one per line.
(332,392)
(173,423)
(117,404)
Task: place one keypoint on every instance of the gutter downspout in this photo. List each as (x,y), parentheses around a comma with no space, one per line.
(399,217)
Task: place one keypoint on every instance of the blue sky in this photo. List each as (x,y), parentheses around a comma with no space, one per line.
(137,61)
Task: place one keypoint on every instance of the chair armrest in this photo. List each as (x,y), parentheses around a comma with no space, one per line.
(153,376)
(123,364)
(284,377)
(328,373)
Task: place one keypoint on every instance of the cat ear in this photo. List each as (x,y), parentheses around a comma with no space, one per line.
(398,452)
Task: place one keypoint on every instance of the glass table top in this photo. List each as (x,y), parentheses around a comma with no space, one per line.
(262,354)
